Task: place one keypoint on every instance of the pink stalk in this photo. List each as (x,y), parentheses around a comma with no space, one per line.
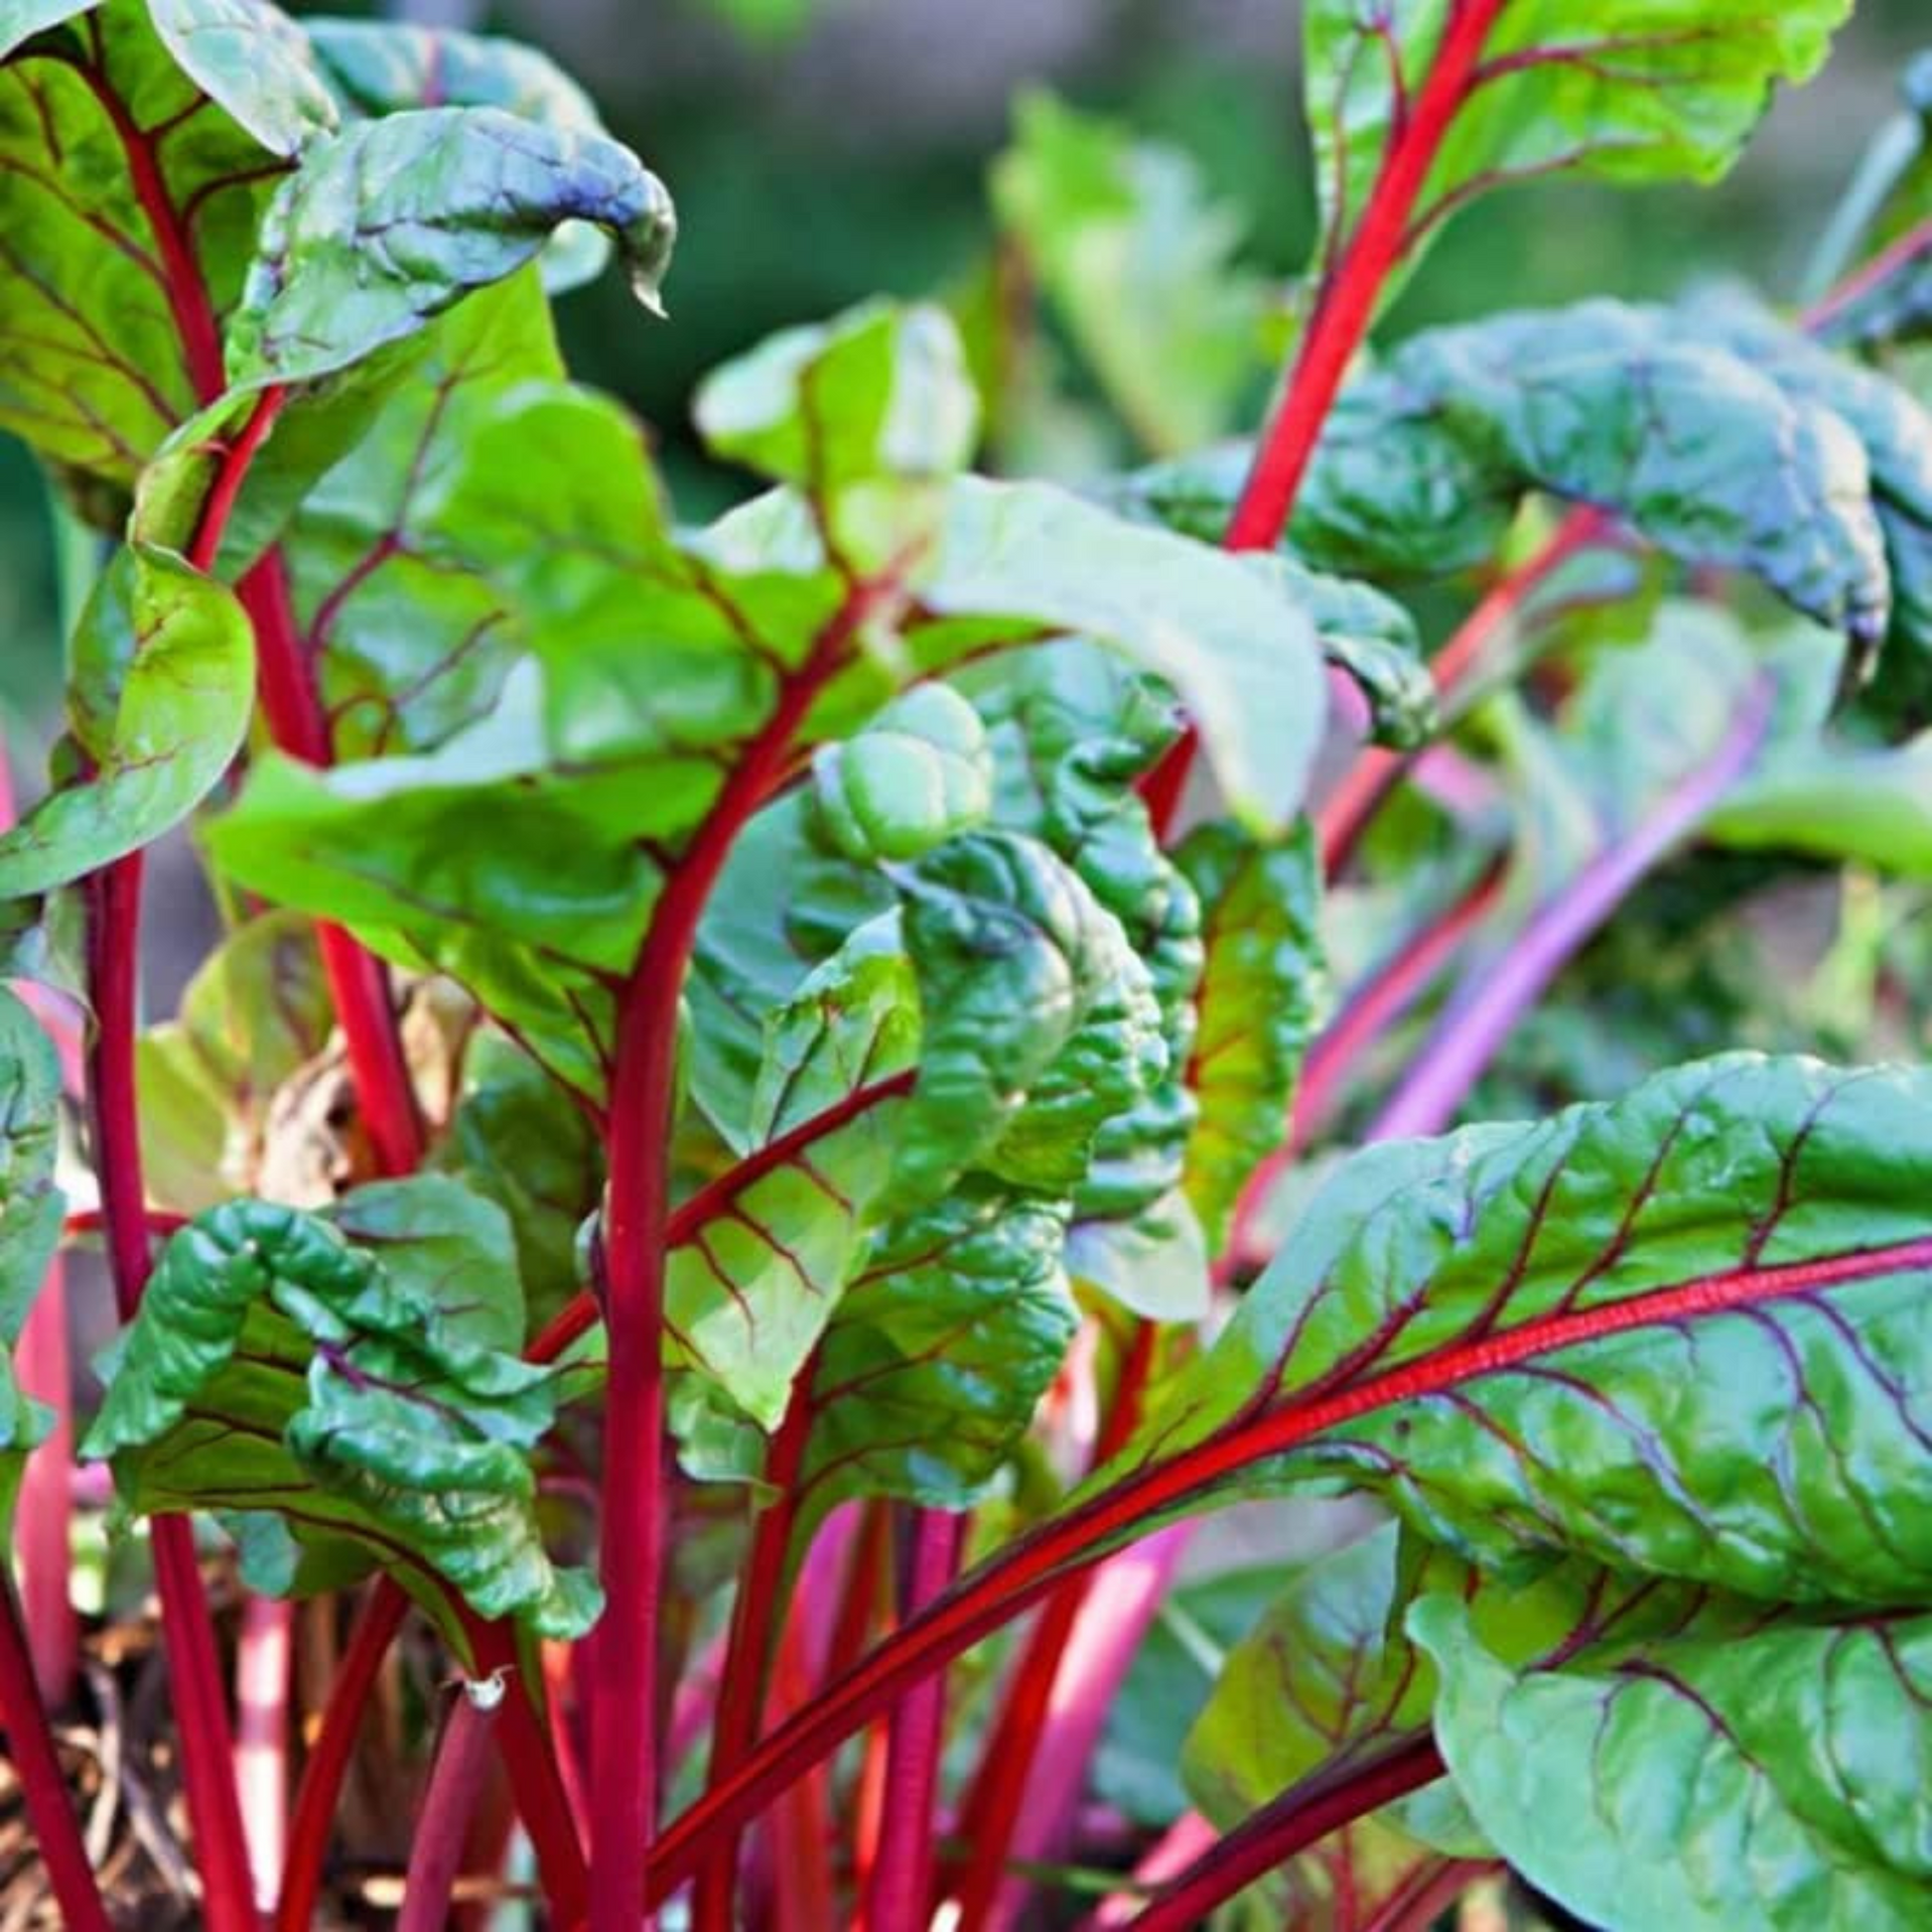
(1185,1840)
(1501,991)
(902,1880)
(1114,1619)
(261,1753)
(44,1511)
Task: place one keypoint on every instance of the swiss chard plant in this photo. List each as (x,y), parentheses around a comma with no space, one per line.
(786,1105)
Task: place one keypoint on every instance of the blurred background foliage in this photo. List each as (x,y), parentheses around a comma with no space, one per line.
(822,149)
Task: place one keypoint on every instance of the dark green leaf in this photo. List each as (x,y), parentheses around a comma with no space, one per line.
(164,683)
(272,1366)
(1773,1780)
(389,222)
(377,67)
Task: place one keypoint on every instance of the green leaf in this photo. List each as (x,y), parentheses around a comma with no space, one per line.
(389,222)
(252,59)
(164,690)
(409,628)
(1627,91)
(103,268)
(879,391)
(273,1367)
(1263,995)
(1373,640)
(1242,658)
(518,1138)
(375,68)
(941,1352)
(1039,1021)
(918,774)
(1617,1444)
(1139,263)
(1771,1780)
(20,20)
(256,1010)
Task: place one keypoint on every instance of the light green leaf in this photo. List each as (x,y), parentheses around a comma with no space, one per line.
(1628,91)
(173,651)
(1138,262)
(919,773)
(1772,1780)
(1021,559)
(20,20)
(252,58)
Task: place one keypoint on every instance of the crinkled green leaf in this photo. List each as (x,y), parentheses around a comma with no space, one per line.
(93,369)
(165,687)
(1894,428)
(256,1010)
(1263,994)
(1139,263)
(375,68)
(919,773)
(1242,658)
(1794,1474)
(518,1140)
(1774,1780)
(273,1367)
(1629,90)
(389,222)
(252,58)
(940,1350)
(1020,1066)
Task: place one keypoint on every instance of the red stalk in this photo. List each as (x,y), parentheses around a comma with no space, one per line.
(194,1666)
(1013,1744)
(801,1848)
(1178,1847)
(1433,1889)
(747,1655)
(1020,1575)
(898,1897)
(624,1721)
(327,1763)
(455,1786)
(1299,1818)
(1902,253)
(49,1809)
(1345,306)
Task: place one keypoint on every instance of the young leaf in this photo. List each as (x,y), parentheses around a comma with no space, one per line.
(1139,263)
(1542,1297)
(1629,90)
(1771,1780)
(389,222)
(272,1366)
(163,684)
(918,774)
(1263,994)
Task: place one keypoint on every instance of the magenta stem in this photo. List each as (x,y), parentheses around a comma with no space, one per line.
(455,1786)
